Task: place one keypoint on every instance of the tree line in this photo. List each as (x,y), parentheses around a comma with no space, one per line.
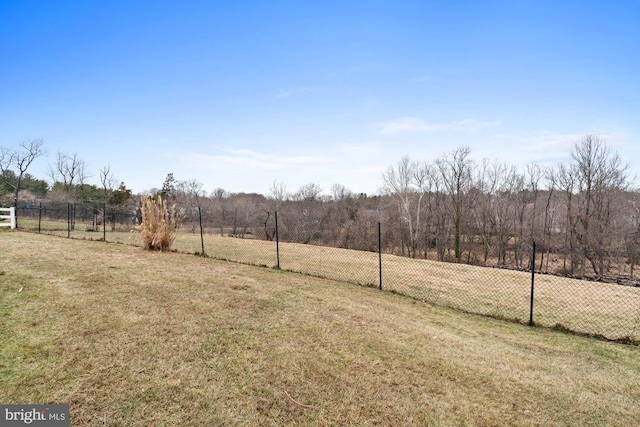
(68,177)
(584,215)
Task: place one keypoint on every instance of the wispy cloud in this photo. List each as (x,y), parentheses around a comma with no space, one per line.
(232,159)
(473,124)
(406,124)
(415,124)
(288,93)
(273,159)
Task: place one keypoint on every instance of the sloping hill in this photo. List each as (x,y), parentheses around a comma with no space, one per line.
(135,338)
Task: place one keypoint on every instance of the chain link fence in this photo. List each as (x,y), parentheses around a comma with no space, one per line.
(365,256)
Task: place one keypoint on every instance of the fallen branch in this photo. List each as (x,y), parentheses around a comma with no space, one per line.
(294,401)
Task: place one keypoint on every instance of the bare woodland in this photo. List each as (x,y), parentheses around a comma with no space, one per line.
(584,215)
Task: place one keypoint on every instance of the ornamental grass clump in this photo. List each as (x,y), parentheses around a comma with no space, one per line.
(159,224)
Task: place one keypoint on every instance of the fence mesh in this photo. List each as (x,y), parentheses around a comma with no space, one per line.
(609,310)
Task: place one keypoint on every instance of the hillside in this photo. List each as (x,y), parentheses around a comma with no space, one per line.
(128,337)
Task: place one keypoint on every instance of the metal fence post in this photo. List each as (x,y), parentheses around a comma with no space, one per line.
(201,231)
(104,221)
(277,243)
(533,276)
(39,217)
(380,254)
(15,211)
(68,220)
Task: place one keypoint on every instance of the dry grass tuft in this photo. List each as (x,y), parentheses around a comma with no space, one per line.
(160,224)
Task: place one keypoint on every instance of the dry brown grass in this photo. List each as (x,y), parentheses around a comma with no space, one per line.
(138,338)
(601,309)
(604,309)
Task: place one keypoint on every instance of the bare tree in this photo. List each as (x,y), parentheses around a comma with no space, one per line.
(406,183)
(509,183)
(486,182)
(456,170)
(219,193)
(343,216)
(187,194)
(305,217)
(600,175)
(535,173)
(69,170)
(278,193)
(549,216)
(308,192)
(522,201)
(191,190)
(108,181)
(219,211)
(20,159)
(339,192)
(632,237)
(566,182)
(439,213)
(397,183)
(423,174)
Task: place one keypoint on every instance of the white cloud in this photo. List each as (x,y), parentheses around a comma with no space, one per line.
(282,160)
(357,165)
(406,124)
(216,162)
(415,124)
(243,158)
(472,124)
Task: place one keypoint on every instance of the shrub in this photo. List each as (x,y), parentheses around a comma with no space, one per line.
(159,224)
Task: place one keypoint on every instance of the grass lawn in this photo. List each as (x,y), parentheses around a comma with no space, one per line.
(128,337)
(596,308)
(609,310)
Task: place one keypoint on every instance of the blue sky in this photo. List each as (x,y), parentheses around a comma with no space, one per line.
(239,94)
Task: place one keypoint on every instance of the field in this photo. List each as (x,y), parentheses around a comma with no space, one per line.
(608,310)
(128,337)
